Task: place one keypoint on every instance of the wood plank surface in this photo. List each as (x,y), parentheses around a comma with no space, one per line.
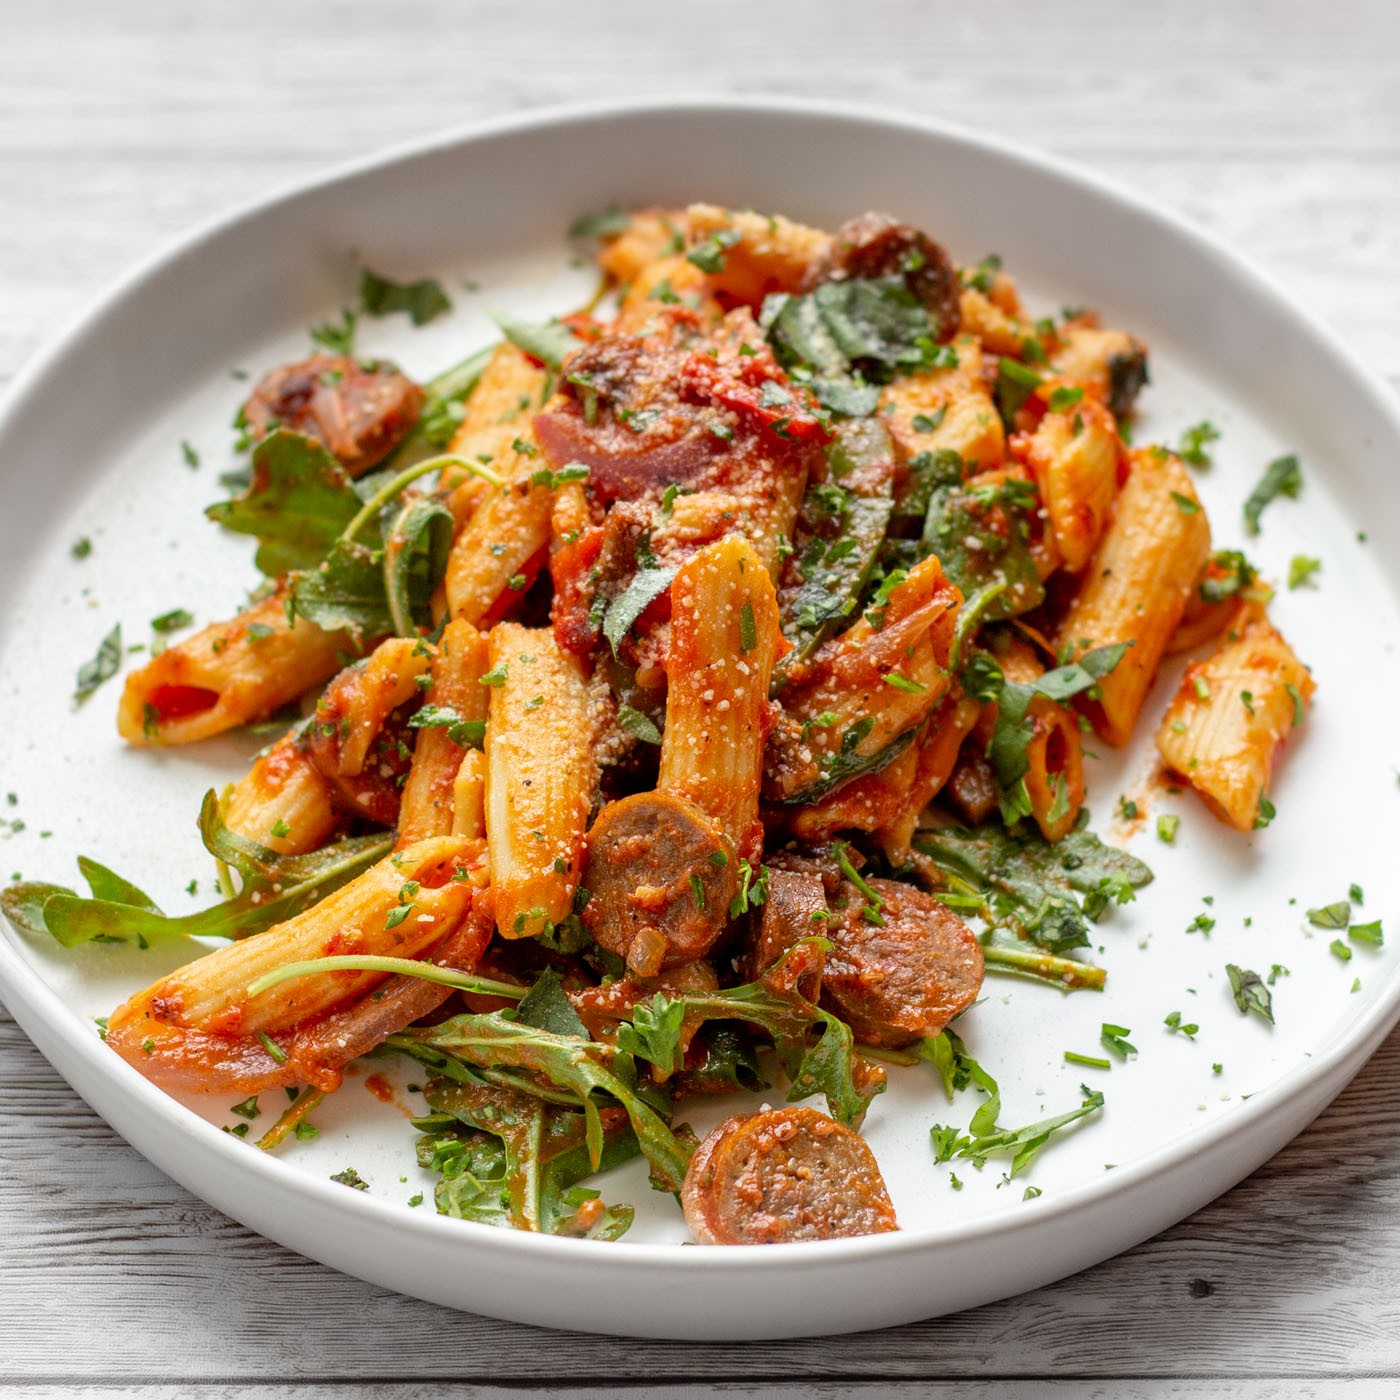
(1274,123)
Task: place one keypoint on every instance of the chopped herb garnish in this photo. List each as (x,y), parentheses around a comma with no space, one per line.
(248,1108)
(423,300)
(1340,950)
(1369,934)
(1282,477)
(189,454)
(1064,397)
(709,254)
(1337,915)
(1167,826)
(748,629)
(1192,447)
(638,725)
(1115,1039)
(1091,1061)
(81,547)
(172,621)
(103,666)
(350,1177)
(1250,992)
(496,675)
(1301,569)
(1174,1023)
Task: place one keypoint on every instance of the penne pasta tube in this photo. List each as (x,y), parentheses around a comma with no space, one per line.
(198,1029)
(947,410)
(284,801)
(724,643)
(229,674)
(456,704)
(512,388)
(767,254)
(1136,587)
(1073,457)
(1231,716)
(1054,778)
(541,777)
(873,687)
(500,551)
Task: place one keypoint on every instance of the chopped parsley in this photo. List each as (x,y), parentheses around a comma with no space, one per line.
(1192,446)
(1282,477)
(1301,569)
(1250,992)
(103,666)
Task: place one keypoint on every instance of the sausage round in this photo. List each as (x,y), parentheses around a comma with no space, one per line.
(784,1175)
(906,979)
(875,245)
(361,411)
(660,875)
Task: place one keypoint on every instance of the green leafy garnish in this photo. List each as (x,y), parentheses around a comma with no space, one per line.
(550,342)
(1282,477)
(645,587)
(1024,1144)
(469,733)
(638,725)
(1250,992)
(423,300)
(1031,884)
(274,888)
(828,1065)
(1194,440)
(102,667)
(1301,569)
(1337,915)
(981,535)
(604,224)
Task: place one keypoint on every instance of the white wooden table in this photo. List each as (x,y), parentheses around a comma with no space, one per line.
(1275,123)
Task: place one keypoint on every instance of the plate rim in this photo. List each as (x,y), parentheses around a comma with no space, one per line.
(28,996)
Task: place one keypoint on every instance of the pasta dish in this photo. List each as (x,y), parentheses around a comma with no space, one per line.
(686,696)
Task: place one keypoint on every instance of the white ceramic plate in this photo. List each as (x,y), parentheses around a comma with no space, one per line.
(89,445)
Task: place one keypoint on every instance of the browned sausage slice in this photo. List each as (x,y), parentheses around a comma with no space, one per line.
(896,983)
(795,908)
(660,875)
(784,1175)
(875,245)
(360,411)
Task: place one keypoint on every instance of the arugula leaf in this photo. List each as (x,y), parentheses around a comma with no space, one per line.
(274,888)
(1011,736)
(869,326)
(836,549)
(982,536)
(654,1032)
(493,1042)
(1250,992)
(299,501)
(774,1003)
(547,1006)
(550,342)
(417,546)
(1032,883)
(1282,477)
(103,666)
(423,300)
(646,585)
(1025,1144)
(515,1158)
(345,591)
(957,1069)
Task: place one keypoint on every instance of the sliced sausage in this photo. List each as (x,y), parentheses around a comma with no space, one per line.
(784,1175)
(795,908)
(360,410)
(906,978)
(660,875)
(875,245)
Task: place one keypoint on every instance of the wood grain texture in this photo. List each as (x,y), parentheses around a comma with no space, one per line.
(1273,123)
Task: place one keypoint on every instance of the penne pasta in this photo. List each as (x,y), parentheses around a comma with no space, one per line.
(1137,585)
(1230,718)
(1073,457)
(541,777)
(456,702)
(766,254)
(724,643)
(947,410)
(284,801)
(198,1028)
(229,674)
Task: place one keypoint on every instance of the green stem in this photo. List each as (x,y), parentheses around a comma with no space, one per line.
(296,1113)
(391,488)
(1064,973)
(405,967)
(968,618)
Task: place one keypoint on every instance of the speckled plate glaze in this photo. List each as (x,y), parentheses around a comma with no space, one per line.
(90,446)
